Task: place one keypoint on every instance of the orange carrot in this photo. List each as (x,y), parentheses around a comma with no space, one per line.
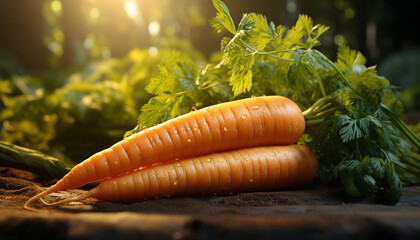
(258,168)
(269,120)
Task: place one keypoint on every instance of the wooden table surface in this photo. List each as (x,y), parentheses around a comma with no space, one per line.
(311,212)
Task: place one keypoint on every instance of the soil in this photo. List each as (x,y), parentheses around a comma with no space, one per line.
(310,212)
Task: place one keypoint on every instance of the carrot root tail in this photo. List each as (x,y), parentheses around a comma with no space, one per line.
(68,200)
(36,197)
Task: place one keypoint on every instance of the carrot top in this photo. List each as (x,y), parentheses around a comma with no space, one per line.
(352,114)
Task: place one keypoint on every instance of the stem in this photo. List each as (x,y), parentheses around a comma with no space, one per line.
(318,78)
(284,59)
(402,126)
(214,76)
(319,104)
(314,122)
(197,89)
(256,51)
(339,72)
(277,51)
(321,114)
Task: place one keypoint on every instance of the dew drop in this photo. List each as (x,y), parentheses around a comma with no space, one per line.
(115,182)
(256,107)
(236,111)
(208,160)
(188,140)
(116,162)
(252,180)
(175,131)
(225,129)
(205,123)
(178,164)
(169,126)
(175,183)
(243,117)
(195,129)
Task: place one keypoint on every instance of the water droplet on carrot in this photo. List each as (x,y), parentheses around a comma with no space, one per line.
(236,111)
(175,131)
(252,180)
(169,126)
(205,123)
(115,182)
(256,107)
(225,129)
(243,117)
(195,129)
(208,160)
(116,162)
(188,140)
(175,183)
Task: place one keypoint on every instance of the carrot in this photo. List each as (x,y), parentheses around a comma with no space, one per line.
(269,120)
(258,168)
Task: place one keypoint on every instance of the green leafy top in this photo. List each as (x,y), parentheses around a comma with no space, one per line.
(346,104)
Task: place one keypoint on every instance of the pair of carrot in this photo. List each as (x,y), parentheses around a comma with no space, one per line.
(228,147)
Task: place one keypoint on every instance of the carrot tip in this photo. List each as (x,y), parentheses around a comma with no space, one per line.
(34,198)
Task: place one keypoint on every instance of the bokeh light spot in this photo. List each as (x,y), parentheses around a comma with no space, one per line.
(291,6)
(349,13)
(339,40)
(131,9)
(153,51)
(94,13)
(154,28)
(56,6)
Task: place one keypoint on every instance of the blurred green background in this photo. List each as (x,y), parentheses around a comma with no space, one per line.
(73,72)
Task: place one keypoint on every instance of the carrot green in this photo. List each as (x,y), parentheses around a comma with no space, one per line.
(352,114)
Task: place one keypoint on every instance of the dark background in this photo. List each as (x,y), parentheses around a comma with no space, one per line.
(385,31)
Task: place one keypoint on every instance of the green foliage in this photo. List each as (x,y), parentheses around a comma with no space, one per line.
(351,112)
(89,111)
(180,87)
(352,115)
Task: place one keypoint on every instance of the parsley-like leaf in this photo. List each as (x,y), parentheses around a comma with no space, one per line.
(299,75)
(223,20)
